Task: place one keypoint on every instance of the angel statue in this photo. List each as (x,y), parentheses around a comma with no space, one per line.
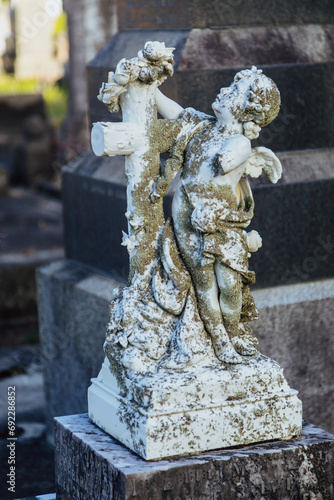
(181,360)
(213,203)
(195,265)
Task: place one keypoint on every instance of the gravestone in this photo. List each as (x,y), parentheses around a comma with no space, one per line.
(166,416)
(182,373)
(25,138)
(94,189)
(88,460)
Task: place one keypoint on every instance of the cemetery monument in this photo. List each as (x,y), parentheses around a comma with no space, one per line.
(182,372)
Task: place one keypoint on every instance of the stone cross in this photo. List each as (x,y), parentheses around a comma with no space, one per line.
(140,138)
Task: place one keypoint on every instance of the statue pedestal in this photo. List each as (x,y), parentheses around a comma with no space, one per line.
(91,464)
(204,407)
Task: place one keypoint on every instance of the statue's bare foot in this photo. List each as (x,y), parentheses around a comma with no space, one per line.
(245,332)
(243,347)
(225,352)
(250,339)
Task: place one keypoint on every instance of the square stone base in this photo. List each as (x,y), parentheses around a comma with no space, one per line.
(206,408)
(90,464)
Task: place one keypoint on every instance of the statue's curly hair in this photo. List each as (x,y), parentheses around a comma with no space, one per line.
(263,101)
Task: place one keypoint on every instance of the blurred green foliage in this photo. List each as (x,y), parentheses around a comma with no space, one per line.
(55,97)
(60,26)
(56,102)
(9,85)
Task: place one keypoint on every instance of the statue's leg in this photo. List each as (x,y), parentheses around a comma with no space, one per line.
(230,299)
(203,278)
(209,309)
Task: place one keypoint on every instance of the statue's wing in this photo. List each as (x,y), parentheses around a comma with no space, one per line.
(265,158)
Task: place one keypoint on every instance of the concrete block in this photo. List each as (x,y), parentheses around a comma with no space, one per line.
(91,464)
(296,329)
(73,311)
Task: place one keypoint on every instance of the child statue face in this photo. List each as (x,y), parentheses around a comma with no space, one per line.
(230,102)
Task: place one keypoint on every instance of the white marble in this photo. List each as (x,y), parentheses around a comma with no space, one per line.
(183,373)
(171,414)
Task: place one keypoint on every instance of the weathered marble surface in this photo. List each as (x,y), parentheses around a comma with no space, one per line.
(91,464)
(172,412)
(181,324)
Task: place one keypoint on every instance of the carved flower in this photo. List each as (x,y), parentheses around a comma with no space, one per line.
(126,70)
(129,241)
(155,51)
(135,221)
(110,92)
(149,75)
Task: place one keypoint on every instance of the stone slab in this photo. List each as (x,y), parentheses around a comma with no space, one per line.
(296,329)
(91,464)
(139,14)
(304,77)
(94,204)
(295,221)
(293,218)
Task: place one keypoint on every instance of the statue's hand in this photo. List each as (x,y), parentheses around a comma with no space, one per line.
(154,196)
(254,241)
(159,189)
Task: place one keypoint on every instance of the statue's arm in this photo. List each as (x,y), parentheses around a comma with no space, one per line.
(168,171)
(232,159)
(166,107)
(234,153)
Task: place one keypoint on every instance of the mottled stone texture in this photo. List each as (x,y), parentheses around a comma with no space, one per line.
(73,311)
(296,329)
(91,464)
(148,14)
(299,59)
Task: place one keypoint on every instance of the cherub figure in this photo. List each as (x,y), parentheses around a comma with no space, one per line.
(213,203)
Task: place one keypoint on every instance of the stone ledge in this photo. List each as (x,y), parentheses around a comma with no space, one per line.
(300,468)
